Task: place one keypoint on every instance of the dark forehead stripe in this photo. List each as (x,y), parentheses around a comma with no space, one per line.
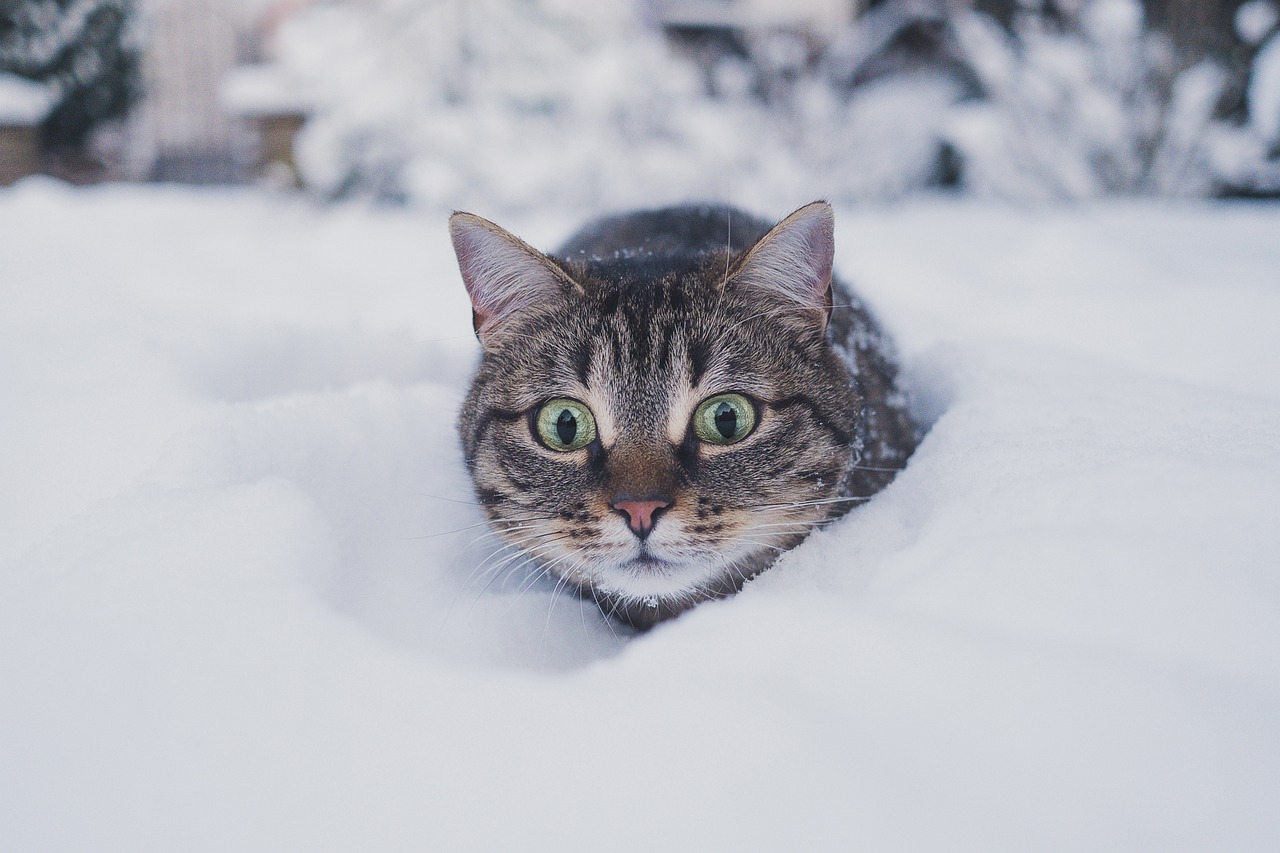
(609,302)
(662,350)
(639,318)
(675,296)
(698,358)
(582,355)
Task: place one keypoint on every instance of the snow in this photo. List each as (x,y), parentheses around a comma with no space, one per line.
(265,89)
(1264,92)
(1255,19)
(22,102)
(233,614)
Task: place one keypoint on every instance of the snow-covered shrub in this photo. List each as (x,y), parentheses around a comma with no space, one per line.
(86,53)
(881,141)
(527,104)
(1248,157)
(1082,107)
(1090,102)
(1258,23)
(519,104)
(512,104)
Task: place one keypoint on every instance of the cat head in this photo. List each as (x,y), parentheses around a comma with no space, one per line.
(654,430)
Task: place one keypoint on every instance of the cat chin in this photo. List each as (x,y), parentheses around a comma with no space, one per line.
(649,577)
(640,579)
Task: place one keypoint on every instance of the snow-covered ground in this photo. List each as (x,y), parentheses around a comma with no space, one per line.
(244,602)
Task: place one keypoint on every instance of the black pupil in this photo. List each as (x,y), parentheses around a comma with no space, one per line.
(726,420)
(566,427)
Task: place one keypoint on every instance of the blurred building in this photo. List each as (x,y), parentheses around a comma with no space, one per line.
(178,132)
(181,131)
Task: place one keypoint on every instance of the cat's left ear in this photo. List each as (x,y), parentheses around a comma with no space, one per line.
(794,260)
(503,274)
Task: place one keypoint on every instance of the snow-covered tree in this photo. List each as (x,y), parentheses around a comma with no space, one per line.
(511,103)
(1082,99)
(1258,23)
(1248,156)
(85,52)
(529,103)
(502,104)
(1081,102)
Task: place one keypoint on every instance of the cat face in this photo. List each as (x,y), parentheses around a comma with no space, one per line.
(655,434)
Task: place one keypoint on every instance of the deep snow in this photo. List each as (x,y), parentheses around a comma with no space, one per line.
(233,615)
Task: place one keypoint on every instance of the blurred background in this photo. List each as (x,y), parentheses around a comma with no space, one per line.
(584,104)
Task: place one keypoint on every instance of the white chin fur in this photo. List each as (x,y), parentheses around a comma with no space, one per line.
(642,580)
(665,579)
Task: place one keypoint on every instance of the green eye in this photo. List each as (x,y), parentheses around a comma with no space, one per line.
(724,419)
(565,424)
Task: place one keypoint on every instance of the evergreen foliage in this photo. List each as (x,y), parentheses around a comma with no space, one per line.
(85,51)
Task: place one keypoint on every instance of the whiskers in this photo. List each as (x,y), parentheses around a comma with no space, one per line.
(509,559)
(539,553)
(448,500)
(486,523)
(801,504)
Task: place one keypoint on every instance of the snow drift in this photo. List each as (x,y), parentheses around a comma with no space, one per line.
(240,607)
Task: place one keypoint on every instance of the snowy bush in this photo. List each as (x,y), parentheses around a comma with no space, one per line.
(85,52)
(1249,157)
(882,141)
(1091,102)
(528,104)
(510,104)
(1079,109)
(1257,23)
(521,104)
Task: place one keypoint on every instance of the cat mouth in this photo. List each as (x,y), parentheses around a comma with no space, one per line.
(647,561)
(649,575)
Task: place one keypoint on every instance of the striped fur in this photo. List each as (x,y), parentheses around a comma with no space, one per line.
(641,317)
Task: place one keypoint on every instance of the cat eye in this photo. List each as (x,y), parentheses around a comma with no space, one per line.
(565,424)
(724,419)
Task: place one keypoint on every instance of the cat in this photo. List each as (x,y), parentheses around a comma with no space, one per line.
(672,399)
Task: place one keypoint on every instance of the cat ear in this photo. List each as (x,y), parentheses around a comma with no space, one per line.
(503,274)
(794,259)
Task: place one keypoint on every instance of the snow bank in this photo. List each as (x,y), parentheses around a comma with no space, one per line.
(23,102)
(235,612)
(263,90)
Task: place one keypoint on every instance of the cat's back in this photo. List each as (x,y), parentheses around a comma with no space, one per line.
(665,238)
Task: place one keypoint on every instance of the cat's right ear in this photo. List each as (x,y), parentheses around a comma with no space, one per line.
(793,261)
(503,274)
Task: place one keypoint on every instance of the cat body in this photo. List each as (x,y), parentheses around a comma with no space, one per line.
(672,399)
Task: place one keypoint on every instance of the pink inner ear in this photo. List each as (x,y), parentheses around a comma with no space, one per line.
(479,319)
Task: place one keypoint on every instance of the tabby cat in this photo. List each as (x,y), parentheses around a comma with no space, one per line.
(672,399)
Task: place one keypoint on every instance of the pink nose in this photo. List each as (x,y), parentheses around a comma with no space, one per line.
(641,515)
